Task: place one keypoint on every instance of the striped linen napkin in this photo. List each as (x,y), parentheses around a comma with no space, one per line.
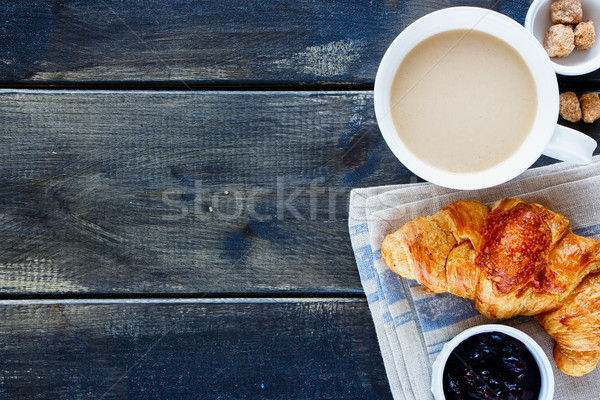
(411,325)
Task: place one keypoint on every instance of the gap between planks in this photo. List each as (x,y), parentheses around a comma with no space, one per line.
(191,87)
(182,300)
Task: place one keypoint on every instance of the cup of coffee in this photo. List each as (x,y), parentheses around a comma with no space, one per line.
(466,98)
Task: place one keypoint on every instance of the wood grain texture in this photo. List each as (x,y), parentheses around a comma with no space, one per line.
(185,42)
(184,192)
(283,349)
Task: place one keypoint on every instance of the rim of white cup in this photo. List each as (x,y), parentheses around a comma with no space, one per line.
(579,62)
(504,28)
(546,373)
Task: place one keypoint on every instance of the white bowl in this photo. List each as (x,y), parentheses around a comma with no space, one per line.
(546,374)
(579,62)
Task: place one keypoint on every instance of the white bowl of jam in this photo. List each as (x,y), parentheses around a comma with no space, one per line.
(492,362)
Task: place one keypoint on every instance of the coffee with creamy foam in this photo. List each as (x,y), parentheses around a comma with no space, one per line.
(463,101)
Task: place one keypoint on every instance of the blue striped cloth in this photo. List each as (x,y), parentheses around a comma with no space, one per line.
(411,325)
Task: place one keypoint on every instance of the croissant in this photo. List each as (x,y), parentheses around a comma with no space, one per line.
(512,258)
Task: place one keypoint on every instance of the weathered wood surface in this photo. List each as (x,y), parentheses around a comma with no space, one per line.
(184,42)
(164,194)
(184,192)
(270,349)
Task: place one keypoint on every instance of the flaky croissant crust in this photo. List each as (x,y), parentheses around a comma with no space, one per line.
(512,258)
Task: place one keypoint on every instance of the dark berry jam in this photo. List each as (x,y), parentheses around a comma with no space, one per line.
(491,365)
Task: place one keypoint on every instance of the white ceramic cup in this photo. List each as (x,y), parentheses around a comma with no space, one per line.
(545,137)
(546,374)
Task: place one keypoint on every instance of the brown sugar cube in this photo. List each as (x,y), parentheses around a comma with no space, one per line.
(559,40)
(569,107)
(585,35)
(590,106)
(566,12)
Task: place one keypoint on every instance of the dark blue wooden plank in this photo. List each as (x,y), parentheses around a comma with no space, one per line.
(236,349)
(185,42)
(184,192)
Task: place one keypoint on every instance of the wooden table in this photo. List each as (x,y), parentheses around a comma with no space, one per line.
(174,186)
